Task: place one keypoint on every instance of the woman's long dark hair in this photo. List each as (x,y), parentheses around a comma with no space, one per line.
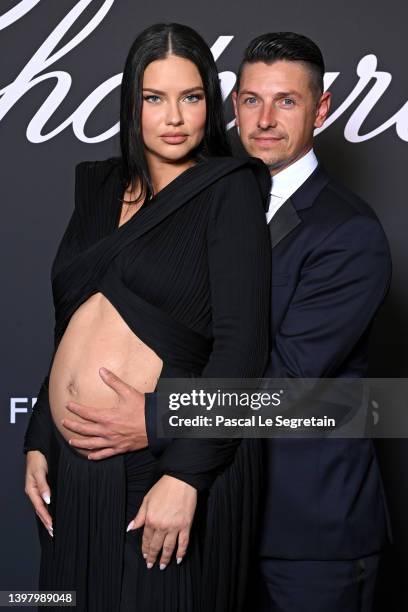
(155,43)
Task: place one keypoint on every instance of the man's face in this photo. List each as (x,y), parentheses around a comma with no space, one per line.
(276,110)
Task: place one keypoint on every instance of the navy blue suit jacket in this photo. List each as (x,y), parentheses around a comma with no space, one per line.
(331,270)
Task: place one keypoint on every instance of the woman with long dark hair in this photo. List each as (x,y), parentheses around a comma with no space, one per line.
(163,271)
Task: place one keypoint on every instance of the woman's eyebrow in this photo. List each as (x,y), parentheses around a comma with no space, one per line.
(185,91)
(198,88)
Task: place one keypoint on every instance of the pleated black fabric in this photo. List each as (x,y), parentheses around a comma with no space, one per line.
(189,273)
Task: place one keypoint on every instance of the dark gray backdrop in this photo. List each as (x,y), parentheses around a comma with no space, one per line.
(36,189)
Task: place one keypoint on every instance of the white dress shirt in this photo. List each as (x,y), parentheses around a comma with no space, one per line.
(288,180)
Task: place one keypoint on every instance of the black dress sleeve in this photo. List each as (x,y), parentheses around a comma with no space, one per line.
(39,431)
(239,260)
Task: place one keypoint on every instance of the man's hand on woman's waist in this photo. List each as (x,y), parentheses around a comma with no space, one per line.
(111,431)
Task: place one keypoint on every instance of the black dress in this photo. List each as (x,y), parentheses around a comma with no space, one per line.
(190,274)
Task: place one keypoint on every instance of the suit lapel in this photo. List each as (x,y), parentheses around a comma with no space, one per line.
(287,217)
(283,222)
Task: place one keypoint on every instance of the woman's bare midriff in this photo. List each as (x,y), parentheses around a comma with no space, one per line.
(97,336)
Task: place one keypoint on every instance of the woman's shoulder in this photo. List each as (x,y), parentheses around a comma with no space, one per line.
(95,182)
(231,163)
(97,169)
(236,174)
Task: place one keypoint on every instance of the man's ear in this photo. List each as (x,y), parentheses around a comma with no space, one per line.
(234,97)
(323,108)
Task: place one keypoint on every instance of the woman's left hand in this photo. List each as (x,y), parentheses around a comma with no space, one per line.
(167,512)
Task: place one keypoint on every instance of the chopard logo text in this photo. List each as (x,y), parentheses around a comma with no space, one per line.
(370,86)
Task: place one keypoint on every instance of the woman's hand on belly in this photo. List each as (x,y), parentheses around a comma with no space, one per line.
(117,429)
(167,514)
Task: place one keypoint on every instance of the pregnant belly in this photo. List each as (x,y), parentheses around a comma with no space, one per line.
(96,337)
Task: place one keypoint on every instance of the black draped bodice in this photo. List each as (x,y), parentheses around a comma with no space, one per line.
(176,271)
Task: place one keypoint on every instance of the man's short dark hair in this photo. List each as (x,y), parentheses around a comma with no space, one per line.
(288,46)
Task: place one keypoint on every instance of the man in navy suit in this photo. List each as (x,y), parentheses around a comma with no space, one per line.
(325,517)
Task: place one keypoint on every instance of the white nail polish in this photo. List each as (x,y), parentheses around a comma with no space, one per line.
(130,526)
(144,556)
(149,565)
(46,498)
(179,560)
(162,566)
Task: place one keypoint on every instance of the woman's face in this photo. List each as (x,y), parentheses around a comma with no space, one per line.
(173,109)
